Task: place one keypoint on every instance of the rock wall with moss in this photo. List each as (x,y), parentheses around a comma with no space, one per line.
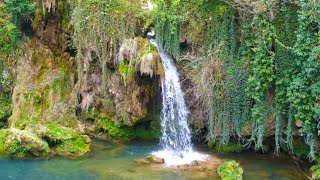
(70,83)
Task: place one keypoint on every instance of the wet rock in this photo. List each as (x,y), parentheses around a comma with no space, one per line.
(210,165)
(156,160)
(195,163)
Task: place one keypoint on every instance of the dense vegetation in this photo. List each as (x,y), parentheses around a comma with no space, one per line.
(251,68)
(252,63)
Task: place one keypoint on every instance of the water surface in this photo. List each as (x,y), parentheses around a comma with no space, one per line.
(117,162)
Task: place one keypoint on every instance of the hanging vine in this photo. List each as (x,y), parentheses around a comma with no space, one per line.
(99,28)
(304,89)
(168,26)
(261,77)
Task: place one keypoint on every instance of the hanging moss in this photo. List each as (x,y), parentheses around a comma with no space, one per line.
(168,26)
(102,31)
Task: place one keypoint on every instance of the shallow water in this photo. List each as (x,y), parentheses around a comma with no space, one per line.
(117,162)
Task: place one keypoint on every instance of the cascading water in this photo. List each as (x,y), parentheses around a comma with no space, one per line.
(176,137)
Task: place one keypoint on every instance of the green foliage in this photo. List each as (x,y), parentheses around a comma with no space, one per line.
(315,169)
(284,67)
(5,106)
(252,60)
(261,76)
(303,91)
(230,170)
(223,90)
(301,151)
(124,70)
(8,30)
(225,148)
(168,26)
(12,13)
(19,9)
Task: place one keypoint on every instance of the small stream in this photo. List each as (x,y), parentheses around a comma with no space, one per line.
(118,162)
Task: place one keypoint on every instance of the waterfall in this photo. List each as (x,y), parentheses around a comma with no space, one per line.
(174,114)
(175,142)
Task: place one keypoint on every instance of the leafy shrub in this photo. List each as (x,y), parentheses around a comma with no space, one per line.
(230,170)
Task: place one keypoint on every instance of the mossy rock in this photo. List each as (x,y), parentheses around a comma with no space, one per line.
(104,123)
(65,141)
(230,170)
(115,132)
(75,147)
(225,148)
(55,132)
(22,143)
(43,90)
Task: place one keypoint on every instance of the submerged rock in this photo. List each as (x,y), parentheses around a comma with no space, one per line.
(210,165)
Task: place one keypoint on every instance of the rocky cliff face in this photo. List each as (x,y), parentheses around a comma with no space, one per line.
(58,112)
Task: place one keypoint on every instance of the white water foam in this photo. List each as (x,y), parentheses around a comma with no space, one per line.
(171,158)
(175,142)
